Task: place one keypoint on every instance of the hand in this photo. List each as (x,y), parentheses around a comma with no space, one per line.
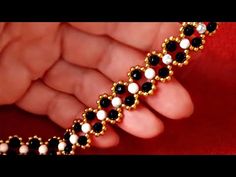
(59,69)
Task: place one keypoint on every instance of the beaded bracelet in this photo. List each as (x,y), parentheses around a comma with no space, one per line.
(142,81)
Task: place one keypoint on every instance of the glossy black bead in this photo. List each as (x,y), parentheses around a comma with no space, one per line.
(196,42)
(180,57)
(120,89)
(113,114)
(188,30)
(153,60)
(53,143)
(211,26)
(163,72)
(90,115)
(105,102)
(77,127)
(97,127)
(147,86)
(14,142)
(136,74)
(68,148)
(129,100)
(83,140)
(34,143)
(67,135)
(171,46)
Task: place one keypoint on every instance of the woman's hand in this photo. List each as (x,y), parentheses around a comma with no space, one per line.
(59,69)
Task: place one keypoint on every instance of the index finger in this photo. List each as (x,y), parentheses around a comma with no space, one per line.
(143,36)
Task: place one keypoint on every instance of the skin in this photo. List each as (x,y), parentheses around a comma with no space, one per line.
(59,69)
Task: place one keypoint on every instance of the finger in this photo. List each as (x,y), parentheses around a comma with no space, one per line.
(61,108)
(15,79)
(115,64)
(99,53)
(95,83)
(142,123)
(40,41)
(171,100)
(143,36)
(110,138)
(85,84)
(25,58)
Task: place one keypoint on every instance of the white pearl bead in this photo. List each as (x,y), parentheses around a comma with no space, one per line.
(101,115)
(3,147)
(201,28)
(133,88)
(167,59)
(86,127)
(43,149)
(116,102)
(23,149)
(150,73)
(61,146)
(185,43)
(73,139)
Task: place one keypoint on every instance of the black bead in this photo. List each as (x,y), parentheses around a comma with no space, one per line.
(90,115)
(53,143)
(153,60)
(14,142)
(82,140)
(120,89)
(105,102)
(68,148)
(113,114)
(196,42)
(77,127)
(34,143)
(180,57)
(163,72)
(188,30)
(136,74)
(129,100)
(147,86)
(67,135)
(171,46)
(97,127)
(211,26)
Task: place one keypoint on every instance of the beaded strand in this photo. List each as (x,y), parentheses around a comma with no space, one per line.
(142,81)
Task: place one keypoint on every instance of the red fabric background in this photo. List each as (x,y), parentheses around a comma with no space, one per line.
(210,130)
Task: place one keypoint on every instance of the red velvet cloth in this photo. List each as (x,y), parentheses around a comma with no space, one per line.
(211,81)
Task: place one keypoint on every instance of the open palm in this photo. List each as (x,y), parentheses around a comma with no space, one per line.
(59,69)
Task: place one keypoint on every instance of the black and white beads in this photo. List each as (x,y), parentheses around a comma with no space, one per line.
(194,33)
(142,81)
(161,69)
(180,55)
(145,84)
(124,94)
